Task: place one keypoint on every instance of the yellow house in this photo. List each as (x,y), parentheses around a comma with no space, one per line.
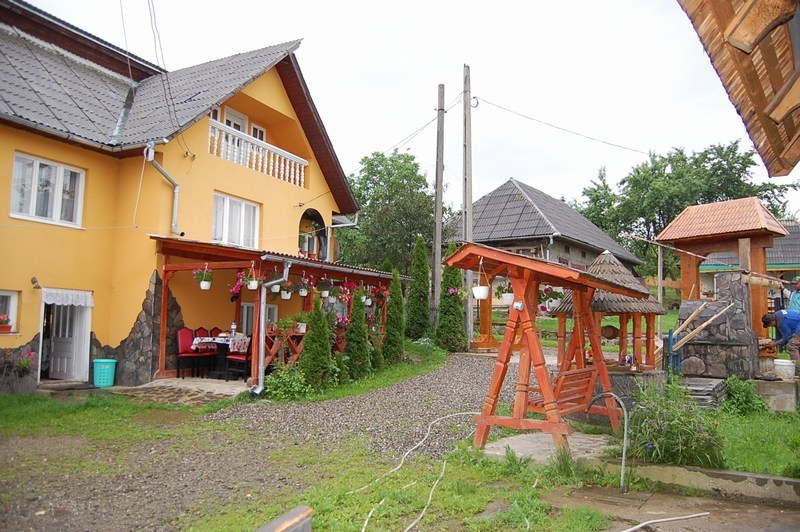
(118,175)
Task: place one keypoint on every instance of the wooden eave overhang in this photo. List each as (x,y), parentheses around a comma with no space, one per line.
(753,45)
(496,262)
(64,35)
(219,256)
(300,97)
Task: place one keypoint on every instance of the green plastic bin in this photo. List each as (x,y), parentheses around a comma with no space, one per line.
(104,369)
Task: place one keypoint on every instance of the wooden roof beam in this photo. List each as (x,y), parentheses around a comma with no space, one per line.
(755,20)
(786,100)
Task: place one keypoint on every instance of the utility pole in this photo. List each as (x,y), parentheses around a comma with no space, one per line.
(468,323)
(437,230)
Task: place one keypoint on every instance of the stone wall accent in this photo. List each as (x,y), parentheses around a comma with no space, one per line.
(729,345)
(137,354)
(12,380)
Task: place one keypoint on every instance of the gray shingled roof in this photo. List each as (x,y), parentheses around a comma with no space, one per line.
(785,250)
(44,86)
(608,267)
(518,211)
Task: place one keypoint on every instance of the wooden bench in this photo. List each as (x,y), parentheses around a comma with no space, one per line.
(573,390)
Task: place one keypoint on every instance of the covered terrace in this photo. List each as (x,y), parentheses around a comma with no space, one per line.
(218,306)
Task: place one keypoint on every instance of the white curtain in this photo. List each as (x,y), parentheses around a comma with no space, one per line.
(60,296)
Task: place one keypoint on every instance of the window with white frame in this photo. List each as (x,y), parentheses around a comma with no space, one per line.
(8,306)
(258,133)
(235,221)
(44,190)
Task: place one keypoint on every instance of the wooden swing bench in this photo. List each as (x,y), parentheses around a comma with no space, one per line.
(572,390)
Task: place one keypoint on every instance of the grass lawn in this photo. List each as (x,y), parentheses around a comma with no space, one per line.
(762,443)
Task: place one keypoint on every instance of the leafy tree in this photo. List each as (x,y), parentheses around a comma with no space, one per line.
(395,322)
(316,360)
(655,192)
(450,333)
(418,314)
(397,206)
(357,350)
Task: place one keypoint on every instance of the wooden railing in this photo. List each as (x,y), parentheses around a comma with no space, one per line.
(240,148)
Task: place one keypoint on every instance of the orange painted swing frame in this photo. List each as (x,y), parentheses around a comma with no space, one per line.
(574,375)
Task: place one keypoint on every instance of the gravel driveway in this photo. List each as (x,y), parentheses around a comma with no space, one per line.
(148,486)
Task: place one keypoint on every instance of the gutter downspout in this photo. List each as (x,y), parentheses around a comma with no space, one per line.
(551,243)
(262,327)
(149,153)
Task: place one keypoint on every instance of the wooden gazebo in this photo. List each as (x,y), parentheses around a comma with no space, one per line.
(606,303)
(572,389)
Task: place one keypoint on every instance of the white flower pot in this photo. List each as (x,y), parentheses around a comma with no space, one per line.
(331,299)
(301,328)
(205,285)
(324,293)
(275,288)
(252,285)
(303,292)
(368,301)
(480,292)
(363,299)
(507,298)
(285,294)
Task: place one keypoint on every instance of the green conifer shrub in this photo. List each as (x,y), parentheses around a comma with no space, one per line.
(450,333)
(316,363)
(357,349)
(418,309)
(395,322)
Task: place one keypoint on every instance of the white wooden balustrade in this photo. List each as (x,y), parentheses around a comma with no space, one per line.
(236,146)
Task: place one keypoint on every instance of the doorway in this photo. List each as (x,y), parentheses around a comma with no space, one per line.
(65,332)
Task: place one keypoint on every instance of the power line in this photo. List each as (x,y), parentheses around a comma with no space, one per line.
(565,130)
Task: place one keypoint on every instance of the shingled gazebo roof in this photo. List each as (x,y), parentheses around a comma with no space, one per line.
(608,267)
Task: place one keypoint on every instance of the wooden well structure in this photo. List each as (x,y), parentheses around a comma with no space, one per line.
(743,226)
(628,309)
(573,387)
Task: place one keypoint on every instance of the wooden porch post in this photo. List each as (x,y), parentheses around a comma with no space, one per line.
(623,337)
(650,351)
(637,338)
(562,333)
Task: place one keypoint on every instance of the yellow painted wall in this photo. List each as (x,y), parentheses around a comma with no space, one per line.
(126,200)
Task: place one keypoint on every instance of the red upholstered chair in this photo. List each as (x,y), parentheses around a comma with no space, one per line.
(239,360)
(216,331)
(185,353)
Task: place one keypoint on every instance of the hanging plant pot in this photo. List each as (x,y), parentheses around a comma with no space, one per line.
(368,301)
(275,288)
(331,299)
(285,294)
(480,292)
(324,293)
(252,285)
(303,292)
(508,298)
(364,299)
(205,285)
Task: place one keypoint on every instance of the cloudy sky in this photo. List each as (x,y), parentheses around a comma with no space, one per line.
(630,73)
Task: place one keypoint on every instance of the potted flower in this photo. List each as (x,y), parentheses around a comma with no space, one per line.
(302,286)
(5,323)
(505,292)
(204,277)
(286,289)
(324,286)
(480,291)
(333,294)
(275,277)
(380,294)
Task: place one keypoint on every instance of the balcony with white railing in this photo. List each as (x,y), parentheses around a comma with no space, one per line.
(240,148)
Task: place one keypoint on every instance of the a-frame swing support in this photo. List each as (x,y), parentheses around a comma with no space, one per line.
(573,387)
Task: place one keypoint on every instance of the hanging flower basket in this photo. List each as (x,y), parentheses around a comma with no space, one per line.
(324,293)
(275,288)
(252,285)
(480,292)
(331,299)
(368,301)
(508,298)
(302,292)
(285,294)
(204,277)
